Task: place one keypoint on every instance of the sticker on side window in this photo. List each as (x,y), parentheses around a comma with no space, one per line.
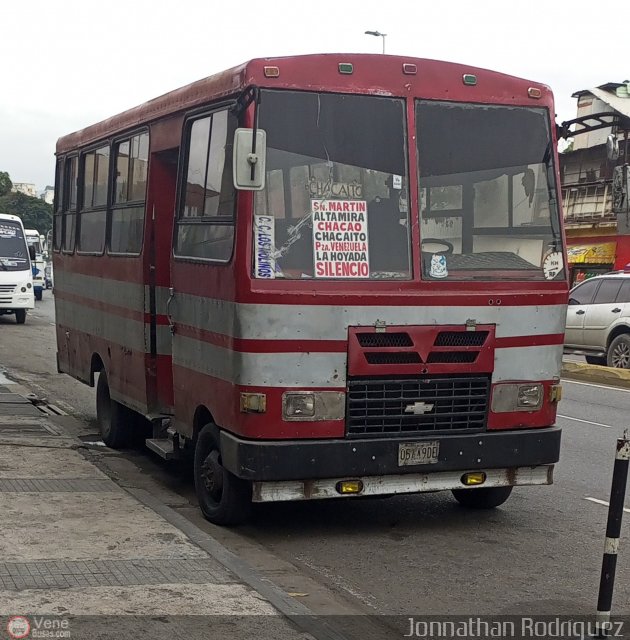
(340,239)
(264,247)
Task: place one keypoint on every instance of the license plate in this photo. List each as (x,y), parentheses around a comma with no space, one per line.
(418,453)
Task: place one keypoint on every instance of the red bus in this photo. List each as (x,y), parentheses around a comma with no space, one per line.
(321,276)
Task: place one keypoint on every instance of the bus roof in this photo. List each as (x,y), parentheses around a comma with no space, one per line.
(376,74)
(10,216)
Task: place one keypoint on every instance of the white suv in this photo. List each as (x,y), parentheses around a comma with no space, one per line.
(598,320)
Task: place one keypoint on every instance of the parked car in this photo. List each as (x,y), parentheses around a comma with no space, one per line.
(598,320)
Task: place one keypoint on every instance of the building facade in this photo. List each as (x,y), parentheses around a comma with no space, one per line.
(48,195)
(598,240)
(27,188)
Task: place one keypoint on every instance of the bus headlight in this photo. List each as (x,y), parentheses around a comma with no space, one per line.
(529,396)
(298,406)
(517,397)
(313,405)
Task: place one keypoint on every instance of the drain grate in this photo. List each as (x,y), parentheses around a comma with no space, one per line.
(50,409)
(26,426)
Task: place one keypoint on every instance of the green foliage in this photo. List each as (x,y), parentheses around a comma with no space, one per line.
(35,213)
(5,183)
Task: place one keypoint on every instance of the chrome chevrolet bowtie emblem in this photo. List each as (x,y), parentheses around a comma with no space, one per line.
(419,408)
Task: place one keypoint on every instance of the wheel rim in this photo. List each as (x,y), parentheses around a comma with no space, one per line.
(621,356)
(212,476)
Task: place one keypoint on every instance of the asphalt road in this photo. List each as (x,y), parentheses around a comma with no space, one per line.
(538,554)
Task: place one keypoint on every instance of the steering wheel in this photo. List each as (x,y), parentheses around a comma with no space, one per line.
(449,247)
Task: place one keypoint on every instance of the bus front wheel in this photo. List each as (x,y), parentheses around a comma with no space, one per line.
(482,498)
(112,417)
(223,498)
(20,316)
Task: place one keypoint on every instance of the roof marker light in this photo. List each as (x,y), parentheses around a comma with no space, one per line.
(534,92)
(346,68)
(469,79)
(409,69)
(272,72)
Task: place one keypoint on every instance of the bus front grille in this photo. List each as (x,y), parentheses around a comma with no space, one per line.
(416,405)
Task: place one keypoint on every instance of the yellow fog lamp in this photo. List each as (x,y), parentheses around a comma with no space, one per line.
(555,393)
(473,478)
(349,487)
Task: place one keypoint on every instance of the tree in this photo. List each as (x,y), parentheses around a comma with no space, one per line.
(35,213)
(5,183)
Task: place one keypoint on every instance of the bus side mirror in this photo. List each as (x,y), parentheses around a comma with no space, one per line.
(31,252)
(249,159)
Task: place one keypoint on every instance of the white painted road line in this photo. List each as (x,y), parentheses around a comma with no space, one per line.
(592,384)
(595,424)
(603,502)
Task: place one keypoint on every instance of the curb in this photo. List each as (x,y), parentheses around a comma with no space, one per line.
(597,374)
(295,611)
(303,618)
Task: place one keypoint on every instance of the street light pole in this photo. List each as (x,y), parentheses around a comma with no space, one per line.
(378,34)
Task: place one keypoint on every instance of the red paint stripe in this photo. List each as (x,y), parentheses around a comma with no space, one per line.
(262,346)
(123,312)
(530,341)
(114,268)
(330,346)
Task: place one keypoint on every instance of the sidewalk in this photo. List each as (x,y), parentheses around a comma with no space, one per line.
(74,544)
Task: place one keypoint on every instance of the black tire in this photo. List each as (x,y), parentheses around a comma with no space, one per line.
(482,498)
(223,498)
(20,316)
(600,360)
(39,295)
(114,420)
(618,354)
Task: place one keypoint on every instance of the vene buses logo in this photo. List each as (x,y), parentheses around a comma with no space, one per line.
(18,627)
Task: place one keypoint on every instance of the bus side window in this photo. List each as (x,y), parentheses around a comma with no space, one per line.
(130,184)
(58,208)
(92,217)
(69,205)
(205,225)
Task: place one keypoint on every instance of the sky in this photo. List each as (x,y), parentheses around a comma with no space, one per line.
(70,63)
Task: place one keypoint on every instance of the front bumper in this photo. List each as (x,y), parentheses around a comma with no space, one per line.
(283,460)
(288,490)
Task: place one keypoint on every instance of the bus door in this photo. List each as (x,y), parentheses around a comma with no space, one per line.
(159,229)
(202,274)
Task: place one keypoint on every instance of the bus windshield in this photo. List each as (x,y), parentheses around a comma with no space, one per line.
(487,193)
(34,241)
(335,202)
(13,251)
